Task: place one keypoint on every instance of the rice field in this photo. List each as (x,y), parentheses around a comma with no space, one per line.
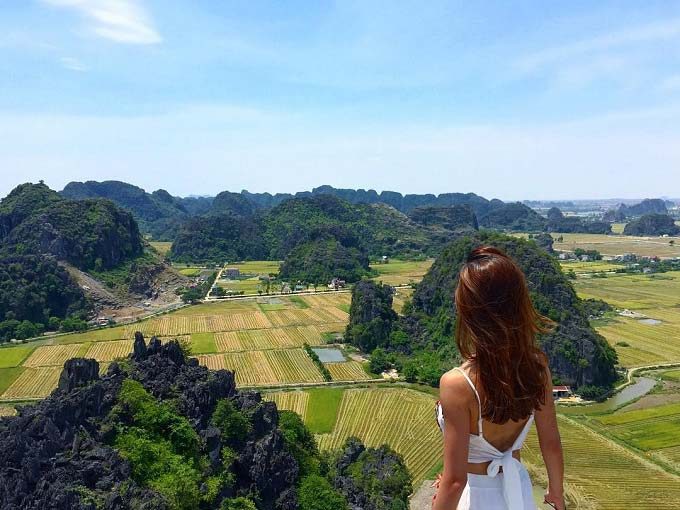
(33,383)
(613,245)
(603,475)
(7,411)
(14,356)
(262,339)
(172,324)
(337,299)
(319,315)
(53,355)
(264,368)
(295,401)
(162,247)
(109,351)
(402,418)
(401,272)
(655,296)
(347,371)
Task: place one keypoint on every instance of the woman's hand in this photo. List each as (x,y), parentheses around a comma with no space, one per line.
(557,502)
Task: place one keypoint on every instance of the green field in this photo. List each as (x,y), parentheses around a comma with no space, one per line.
(401,272)
(657,297)
(14,356)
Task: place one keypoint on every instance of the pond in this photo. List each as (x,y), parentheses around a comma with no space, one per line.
(329,355)
(651,322)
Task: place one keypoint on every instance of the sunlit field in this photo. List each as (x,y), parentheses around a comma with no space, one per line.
(401,272)
(612,245)
(656,296)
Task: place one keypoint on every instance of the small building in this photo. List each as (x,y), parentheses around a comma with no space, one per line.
(231,273)
(337,283)
(561,392)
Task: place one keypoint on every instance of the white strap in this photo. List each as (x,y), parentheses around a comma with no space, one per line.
(479,402)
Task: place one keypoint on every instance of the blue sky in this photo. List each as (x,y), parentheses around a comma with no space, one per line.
(516,100)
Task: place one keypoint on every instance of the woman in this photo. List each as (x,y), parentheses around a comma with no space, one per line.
(488,403)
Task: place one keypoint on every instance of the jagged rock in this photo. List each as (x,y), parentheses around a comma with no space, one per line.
(77,372)
(139,347)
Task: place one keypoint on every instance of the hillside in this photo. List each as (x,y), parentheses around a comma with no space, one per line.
(558,222)
(159,214)
(421,342)
(515,217)
(455,218)
(652,225)
(377,230)
(62,259)
(159,431)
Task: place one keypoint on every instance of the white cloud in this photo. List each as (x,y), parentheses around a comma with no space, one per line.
(72,64)
(122,21)
(671,83)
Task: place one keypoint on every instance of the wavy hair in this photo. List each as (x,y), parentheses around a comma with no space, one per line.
(496,330)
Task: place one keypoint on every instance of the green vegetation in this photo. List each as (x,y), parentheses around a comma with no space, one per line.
(372,318)
(557,222)
(322,409)
(515,217)
(14,356)
(652,225)
(203,343)
(8,376)
(324,258)
(316,493)
(315,358)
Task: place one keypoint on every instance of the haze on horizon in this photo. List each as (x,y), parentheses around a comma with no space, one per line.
(524,101)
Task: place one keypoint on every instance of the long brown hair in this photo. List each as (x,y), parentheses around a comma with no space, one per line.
(496,330)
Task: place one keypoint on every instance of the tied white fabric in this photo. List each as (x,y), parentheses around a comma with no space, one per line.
(512,483)
(480,451)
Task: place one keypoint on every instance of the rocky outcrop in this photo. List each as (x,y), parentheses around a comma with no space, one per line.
(57,454)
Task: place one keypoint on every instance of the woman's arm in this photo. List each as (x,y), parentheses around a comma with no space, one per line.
(454,395)
(551,447)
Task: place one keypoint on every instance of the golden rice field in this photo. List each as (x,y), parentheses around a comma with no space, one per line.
(402,418)
(109,351)
(263,368)
(274,338)
(401,272)
(605,476)
(171,324)
(320,315)
(295,401)
(338,299)
(400,297)
(347,371)
(655,296)
(613,245)
(33,383)
(53,355)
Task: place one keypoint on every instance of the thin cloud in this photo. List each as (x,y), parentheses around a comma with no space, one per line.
(73,64)
(122,21)
(652,32)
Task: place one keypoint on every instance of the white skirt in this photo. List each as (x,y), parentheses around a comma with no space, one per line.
(484,492)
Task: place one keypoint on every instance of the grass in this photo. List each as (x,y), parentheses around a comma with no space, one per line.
(97,335)
(190,271)
(671,375)
(322,409)
(596,266)
(8,376)
(298,302)
(14,356)
(203,343)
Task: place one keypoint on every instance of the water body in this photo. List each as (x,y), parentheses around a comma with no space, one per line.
(639,388)
(329,355)
(651,322)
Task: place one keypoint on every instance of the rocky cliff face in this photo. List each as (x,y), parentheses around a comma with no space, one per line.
(56,454)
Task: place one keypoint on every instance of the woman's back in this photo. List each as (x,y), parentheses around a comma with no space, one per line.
(489,403)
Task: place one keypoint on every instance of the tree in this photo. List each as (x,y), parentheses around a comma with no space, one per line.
(233,424)
(379,362)
(238,504)
(316,493)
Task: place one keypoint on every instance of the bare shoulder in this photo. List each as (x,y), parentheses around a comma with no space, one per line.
(453,385)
